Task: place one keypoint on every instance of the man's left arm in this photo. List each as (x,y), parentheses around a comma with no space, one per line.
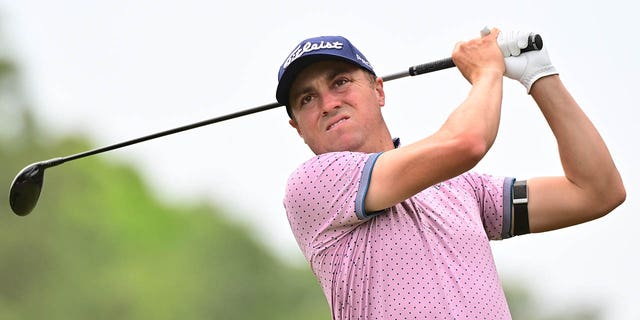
(591,186)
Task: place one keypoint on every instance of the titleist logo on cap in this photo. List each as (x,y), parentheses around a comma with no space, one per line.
(309,47)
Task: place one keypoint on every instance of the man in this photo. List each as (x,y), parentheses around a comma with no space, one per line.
(402,232)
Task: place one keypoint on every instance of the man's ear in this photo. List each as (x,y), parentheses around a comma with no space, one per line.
(380,91)
(293,123)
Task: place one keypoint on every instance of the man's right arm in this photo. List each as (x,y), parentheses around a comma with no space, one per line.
(459,144)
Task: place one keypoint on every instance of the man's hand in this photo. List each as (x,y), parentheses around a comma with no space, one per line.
(526,67)
(478,57)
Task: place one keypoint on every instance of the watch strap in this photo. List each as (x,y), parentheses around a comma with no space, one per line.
(520,208)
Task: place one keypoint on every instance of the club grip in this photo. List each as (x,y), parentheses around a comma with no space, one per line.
(431,66)
(534,43)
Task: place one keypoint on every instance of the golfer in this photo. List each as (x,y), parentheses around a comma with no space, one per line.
(397,231)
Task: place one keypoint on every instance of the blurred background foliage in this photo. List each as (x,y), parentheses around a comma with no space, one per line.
(100,245)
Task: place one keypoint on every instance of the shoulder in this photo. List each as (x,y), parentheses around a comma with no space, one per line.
(479,180)
(328,172)
(338,162)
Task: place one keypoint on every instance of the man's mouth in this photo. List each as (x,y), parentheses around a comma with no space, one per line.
(333,125)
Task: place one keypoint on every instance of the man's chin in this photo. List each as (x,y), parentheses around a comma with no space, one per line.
(346,145)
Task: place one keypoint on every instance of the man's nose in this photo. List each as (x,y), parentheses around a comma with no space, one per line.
(329,102)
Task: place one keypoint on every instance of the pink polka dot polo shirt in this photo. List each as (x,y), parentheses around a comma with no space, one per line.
(427,257)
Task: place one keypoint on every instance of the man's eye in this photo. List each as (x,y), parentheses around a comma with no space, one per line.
(341,82)
(305,100)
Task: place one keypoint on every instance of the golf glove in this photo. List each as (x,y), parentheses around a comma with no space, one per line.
(528,66)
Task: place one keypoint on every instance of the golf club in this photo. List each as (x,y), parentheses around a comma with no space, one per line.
(27,185)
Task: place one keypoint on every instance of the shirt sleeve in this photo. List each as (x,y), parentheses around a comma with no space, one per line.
(494,195)
(321,198)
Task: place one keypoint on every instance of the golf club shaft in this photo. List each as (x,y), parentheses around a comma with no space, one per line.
(534,43)
(430,67)
(168,132)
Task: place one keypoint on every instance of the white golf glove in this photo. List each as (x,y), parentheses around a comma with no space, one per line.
(511,43)
(528,66)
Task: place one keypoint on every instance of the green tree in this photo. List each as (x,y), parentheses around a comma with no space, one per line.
(99,245)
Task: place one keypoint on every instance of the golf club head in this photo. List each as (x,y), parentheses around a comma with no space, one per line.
(25,188)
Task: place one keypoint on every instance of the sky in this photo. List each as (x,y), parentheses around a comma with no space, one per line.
(117,70)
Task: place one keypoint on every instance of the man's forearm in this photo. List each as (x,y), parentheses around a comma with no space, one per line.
(585,158)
